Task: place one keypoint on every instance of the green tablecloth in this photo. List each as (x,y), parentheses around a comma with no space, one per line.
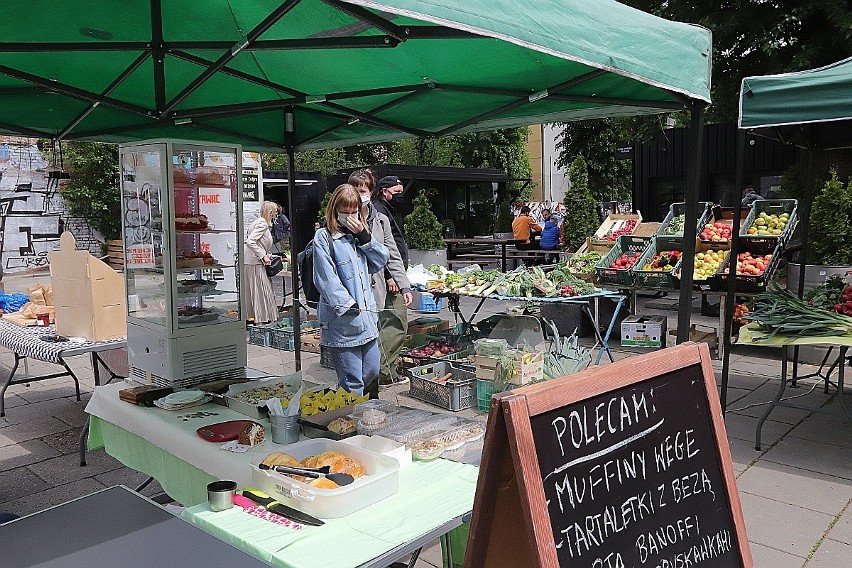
(430,494)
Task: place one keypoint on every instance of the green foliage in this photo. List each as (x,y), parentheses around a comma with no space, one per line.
(93,191)
(501,149)
(761,38)
(423,231)
(503,224)
(596,141)
(829,240)
(581,217)
(323,207)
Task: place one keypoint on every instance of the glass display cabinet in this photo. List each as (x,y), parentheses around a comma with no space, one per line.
(183,247)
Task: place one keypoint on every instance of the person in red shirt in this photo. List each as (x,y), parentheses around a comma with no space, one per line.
(522,230)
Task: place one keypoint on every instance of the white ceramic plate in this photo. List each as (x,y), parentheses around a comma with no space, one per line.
(184,397)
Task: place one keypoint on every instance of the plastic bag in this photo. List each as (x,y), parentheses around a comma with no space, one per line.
(12,302)
(419,275)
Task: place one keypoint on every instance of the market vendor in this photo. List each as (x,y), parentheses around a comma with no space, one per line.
(522,230)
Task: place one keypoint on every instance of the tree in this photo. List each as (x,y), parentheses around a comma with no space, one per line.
(596,141)
(423,231)
(761,37)
(93,191)
(504,150)
(581,217)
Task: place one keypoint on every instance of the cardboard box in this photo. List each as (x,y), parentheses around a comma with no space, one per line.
(88,295)
(415,328)
(644,331)
(529,367)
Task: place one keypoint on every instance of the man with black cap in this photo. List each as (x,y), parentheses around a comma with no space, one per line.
(393,320)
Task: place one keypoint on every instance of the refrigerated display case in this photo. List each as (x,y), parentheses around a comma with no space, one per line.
(183,243)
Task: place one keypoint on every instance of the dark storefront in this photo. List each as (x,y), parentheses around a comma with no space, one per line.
(462,198)
(659,168)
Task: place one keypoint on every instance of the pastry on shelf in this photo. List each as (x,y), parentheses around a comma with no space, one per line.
(191,222)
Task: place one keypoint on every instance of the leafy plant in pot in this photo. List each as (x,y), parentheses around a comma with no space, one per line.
(829,248)
(424,234)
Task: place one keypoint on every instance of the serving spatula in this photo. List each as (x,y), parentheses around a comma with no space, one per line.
(315,472)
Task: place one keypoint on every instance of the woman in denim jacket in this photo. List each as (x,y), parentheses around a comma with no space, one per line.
(347,309)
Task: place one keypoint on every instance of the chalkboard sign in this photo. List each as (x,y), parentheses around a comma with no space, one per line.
(623,466)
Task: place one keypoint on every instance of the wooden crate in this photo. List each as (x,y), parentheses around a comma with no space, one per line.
(612,223)
(115,254)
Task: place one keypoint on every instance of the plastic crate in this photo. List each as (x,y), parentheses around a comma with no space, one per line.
(749,282)
(654,278)
(666,241)
(626,243)
(770,207)
(283,337)
(428,304)
(260,335)
(457,395)
(407,361)
(711,283)
(484,392)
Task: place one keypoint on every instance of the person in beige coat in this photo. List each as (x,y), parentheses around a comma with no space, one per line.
(260,297)
(389,285)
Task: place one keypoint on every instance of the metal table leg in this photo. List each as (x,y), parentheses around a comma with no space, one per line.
(775,400)
(6,386)
(9,380)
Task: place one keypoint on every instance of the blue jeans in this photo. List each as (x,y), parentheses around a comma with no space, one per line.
(356,366)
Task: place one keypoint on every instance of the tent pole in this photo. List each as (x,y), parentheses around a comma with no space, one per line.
(693,183)
(730,292)
(804,220)
(290,144)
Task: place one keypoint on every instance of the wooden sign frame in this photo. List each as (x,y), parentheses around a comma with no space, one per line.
(511,523)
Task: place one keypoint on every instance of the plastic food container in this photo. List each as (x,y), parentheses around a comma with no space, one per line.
(383,446)
(381,481)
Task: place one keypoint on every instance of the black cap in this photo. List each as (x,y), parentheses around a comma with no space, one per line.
(389,181)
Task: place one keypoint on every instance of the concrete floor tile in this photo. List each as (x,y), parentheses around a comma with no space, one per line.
(809,455)
(17,433)
(742,452)
(129,478)
(49,392)
(756,404)
(65,442)
(66,468)
(42,499)
(842,529)
(25,453)
(18,483)
(766,557)
(831,554)
(794,486)
(37,410)
(431,555)
(820,428)
(798,532)
(742,427)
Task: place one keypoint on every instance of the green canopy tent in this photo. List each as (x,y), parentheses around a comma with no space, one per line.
(810,109)
(278,75)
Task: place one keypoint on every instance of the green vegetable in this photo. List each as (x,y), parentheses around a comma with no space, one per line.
(780,312)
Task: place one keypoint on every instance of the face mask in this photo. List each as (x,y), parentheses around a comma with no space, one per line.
(396,197)
(365,199)
(341,219)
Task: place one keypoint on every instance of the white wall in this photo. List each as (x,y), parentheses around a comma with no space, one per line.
(555,178)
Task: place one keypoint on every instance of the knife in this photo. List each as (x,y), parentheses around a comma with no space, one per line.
(274,506)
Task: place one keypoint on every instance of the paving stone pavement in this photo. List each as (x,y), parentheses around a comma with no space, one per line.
(796,491)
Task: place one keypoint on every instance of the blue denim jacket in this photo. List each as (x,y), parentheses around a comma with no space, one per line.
(347,308)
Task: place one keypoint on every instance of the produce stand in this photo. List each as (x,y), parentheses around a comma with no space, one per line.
(746,337)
